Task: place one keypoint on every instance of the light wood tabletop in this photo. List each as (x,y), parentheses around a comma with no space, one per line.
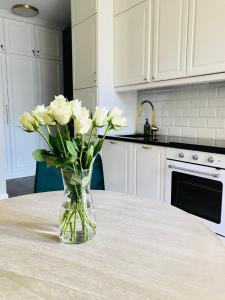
(142,250)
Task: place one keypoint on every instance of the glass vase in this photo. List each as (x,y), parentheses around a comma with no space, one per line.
(77,221)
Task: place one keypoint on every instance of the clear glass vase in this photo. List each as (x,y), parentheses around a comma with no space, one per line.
(77,221)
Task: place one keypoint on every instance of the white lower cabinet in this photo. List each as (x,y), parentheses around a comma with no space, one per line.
(134,168)
(117,163)
(148,171)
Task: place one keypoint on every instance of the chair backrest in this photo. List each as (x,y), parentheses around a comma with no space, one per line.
(97,180)
(49,179)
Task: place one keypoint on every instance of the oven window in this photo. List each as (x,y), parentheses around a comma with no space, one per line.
(199,196)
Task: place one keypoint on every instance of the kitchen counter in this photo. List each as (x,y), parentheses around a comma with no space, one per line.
(196,144)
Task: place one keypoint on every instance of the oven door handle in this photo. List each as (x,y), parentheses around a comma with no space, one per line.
(194,171)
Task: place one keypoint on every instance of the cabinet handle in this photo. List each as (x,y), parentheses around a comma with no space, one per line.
(34,52)
(113,143)
(7,113)
(38,52)
(94,76)
(153,77)
(147,148)
(2,47)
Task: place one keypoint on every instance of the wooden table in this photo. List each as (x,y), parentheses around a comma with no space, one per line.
(143,250)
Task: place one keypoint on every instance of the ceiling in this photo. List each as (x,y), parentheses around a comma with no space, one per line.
(52,10)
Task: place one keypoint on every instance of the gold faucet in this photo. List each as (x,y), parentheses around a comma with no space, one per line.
(154,128)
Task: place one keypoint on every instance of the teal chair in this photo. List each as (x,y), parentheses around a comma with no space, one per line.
(49,179)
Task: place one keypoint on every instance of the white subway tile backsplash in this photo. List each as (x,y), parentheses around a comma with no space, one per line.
(220,134)
(198,122)
(207,112)
(206,133)
(191,111)
(216,123)
(190,132)
(182,122)
(175,131)
(217,102)
(183,103)
(199,102)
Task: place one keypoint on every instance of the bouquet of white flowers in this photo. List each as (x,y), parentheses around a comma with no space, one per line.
(73,152)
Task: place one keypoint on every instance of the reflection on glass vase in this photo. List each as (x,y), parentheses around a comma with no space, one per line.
(77,221)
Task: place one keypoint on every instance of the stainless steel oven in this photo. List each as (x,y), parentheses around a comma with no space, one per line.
(195,183)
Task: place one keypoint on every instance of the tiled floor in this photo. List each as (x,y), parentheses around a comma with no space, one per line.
(20,186)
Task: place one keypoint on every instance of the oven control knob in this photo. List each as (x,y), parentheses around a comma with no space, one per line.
(210,159)
(195,157)
(181,155)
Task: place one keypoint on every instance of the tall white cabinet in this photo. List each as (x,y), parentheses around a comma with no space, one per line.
(3,95)
(32,57)
(22,91)
(84,38)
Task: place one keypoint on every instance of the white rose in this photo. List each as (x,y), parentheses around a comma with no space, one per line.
(116,119)
(28,122)
(100,116)
(42,116)
(75,107)
(82,123)
(60,110)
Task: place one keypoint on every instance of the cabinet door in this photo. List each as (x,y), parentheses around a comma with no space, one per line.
(2,40)
(170,39)
(122,5)
(48,42)
(50,85)
(117,162)
(206,43)
(22,90)
(149,169)
(19,37)
(3,120)
(82,9)
(132,45)
(84,54)
(88,98)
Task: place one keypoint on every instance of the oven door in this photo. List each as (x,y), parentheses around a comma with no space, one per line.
(197,190)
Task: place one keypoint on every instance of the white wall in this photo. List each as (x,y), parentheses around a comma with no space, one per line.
(191,111)
(106,92)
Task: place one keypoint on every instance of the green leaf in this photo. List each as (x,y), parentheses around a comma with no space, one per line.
(53,143)
(60,143)
(71,148)
(98,147)
(38,154)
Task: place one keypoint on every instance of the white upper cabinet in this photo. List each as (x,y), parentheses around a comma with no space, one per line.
(84,54)
(19,37)
(88,97)
(170,39)
(117,163)
(82,9)
(2,40)
(132,45)
(148,171)
(206,48)
(48,42)
(22,91)
(122,5)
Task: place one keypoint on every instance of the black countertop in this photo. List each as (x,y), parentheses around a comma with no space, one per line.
(196,144)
